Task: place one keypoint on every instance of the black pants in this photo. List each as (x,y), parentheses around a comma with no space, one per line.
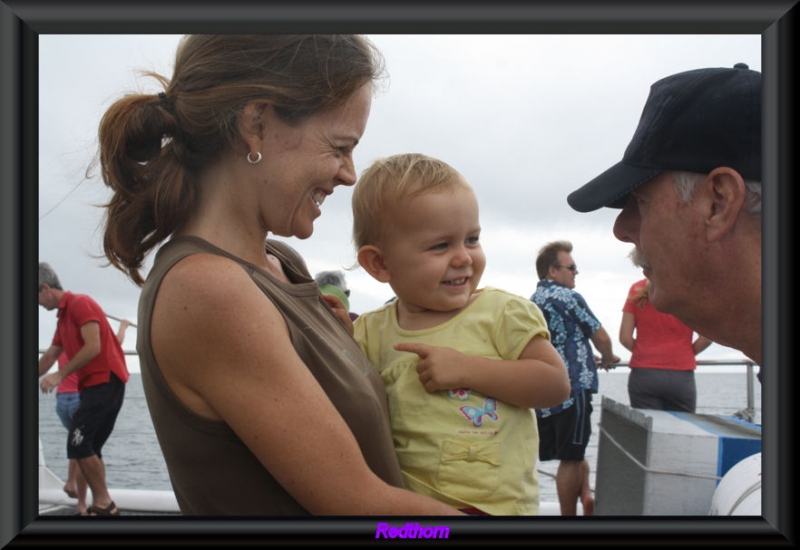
(94,420)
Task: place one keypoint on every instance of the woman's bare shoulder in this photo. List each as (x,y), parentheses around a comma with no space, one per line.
(208,329)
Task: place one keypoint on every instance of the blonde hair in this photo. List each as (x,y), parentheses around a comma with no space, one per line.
(641,294)
(391,180)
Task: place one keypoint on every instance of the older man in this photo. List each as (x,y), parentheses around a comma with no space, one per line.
(95,353)
(689,186)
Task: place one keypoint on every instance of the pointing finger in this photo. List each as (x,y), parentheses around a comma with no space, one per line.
(413,347)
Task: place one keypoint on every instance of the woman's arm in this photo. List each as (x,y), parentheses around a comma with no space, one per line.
(626,330)
(700,344)
(538,379)
(123,326)
(225,350)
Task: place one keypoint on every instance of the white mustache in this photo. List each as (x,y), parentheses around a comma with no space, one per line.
(638,258)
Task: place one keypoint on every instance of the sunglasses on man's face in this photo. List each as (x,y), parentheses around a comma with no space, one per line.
(571,267)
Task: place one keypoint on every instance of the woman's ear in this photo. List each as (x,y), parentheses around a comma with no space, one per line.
(727,196)
(371,259)
(252,124)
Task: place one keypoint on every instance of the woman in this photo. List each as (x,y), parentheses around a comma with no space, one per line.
(663,355)
(262,402)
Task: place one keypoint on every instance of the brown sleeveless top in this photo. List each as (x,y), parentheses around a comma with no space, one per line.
(211,470)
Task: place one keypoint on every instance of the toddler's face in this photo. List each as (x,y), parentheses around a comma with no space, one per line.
(432,250)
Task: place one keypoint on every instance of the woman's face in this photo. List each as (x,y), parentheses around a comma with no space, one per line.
(303,164)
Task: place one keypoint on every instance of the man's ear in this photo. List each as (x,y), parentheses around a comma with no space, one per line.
(727,193)
(371,259)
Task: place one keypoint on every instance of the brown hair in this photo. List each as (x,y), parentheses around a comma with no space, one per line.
(548,256)
(153,146)
(390,180)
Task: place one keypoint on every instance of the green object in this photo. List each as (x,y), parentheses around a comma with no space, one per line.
(338,292)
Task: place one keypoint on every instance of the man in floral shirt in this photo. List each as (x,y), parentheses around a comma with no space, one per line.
(564,430)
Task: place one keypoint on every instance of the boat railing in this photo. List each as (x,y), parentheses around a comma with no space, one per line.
(748,413)
(125,351)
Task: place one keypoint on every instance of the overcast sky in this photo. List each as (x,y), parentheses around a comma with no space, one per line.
(525,118)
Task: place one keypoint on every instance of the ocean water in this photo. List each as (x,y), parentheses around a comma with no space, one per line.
(133,458)
(132,455)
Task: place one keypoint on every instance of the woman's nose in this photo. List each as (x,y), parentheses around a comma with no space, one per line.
(347,172)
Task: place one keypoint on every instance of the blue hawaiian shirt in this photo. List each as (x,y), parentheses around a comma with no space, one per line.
(571,325)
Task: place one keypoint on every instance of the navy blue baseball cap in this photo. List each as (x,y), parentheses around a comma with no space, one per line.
(693,121)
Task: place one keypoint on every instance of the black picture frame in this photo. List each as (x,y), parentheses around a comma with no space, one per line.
(21,22)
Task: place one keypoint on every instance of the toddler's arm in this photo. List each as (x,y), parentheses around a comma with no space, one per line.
(538,379)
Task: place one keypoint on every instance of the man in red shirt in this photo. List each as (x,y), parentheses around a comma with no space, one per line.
(96,355)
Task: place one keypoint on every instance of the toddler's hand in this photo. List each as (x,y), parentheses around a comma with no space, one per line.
(340,311)
(439,368)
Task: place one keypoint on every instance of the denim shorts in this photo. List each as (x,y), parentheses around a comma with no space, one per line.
(66,405)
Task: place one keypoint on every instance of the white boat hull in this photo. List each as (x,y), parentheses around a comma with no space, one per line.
(739,491)
(52,496)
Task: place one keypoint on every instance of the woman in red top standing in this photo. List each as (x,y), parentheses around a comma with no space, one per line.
(662,355)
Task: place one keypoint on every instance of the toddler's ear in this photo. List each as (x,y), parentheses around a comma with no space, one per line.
(371,259)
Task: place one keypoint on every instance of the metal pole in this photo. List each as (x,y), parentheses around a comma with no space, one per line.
(120,320)
(751,398)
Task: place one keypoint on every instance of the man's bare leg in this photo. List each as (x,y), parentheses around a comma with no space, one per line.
(568,486)
(587,500)
(94,471)
(71,485)
(76,485)
(572,483)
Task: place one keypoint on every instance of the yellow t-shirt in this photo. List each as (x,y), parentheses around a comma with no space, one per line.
(459,446)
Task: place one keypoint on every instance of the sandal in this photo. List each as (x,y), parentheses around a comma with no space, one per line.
(110,510)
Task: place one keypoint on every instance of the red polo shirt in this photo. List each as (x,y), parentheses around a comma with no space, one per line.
(70,383)
(74,311)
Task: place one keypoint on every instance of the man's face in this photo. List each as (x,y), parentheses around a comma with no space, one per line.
(667,234)
(46,298)
(564,272)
